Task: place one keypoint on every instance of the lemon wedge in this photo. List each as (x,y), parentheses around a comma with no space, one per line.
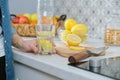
(73,40)
(77,48)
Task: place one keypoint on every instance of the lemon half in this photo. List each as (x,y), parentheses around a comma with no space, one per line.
(64,35)
(73,40)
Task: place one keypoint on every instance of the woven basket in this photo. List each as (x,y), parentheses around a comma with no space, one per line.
(26,30)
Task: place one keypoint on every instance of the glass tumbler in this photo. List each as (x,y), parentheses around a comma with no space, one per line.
(45,29)
(112,32)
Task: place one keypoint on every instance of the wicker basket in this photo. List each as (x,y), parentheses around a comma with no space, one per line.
(26,30)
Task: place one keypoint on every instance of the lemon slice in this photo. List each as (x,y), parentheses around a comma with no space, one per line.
(45,44)
(64,35)
(45,34)
(77,48)
(73,40)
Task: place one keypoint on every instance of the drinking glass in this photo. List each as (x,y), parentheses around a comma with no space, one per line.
(45,29)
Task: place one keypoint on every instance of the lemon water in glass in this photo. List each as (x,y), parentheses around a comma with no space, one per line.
(44,40)
(45,29)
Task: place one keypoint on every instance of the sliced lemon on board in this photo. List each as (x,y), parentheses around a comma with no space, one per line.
(73,40)
(64,35)
(77,48)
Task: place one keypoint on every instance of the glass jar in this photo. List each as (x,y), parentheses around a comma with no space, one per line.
(112,32)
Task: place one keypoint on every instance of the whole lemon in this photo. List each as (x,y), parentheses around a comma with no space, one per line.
(34,17)
(28,15)
(69,23)
(80,29)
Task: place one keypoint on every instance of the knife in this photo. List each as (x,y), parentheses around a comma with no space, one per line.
(85,54)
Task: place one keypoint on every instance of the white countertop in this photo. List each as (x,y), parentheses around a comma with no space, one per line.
(57,66)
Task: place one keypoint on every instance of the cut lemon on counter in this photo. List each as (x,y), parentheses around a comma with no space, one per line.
(69,23)
(73,40)
(64,35)
(77,48)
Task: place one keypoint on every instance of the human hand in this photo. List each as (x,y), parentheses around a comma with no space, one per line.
(29,46)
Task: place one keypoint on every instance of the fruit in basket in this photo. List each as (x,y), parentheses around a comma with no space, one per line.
(23,20)
(73,40)
(79,29)
(34,18)
(69,23)
(15,20)
(19,15)
(28,15)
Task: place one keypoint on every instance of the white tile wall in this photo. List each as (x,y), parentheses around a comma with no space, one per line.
(94,13)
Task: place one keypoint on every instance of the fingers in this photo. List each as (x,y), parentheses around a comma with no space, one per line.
(54,50)
(34,47)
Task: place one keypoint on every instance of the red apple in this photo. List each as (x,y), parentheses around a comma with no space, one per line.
(15,20)
(23,20)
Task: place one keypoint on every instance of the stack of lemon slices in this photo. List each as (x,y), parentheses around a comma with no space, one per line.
(74,34)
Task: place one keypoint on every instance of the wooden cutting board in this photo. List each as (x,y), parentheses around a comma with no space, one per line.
(63,49)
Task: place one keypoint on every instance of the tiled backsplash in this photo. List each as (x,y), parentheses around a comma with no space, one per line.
(94,13)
